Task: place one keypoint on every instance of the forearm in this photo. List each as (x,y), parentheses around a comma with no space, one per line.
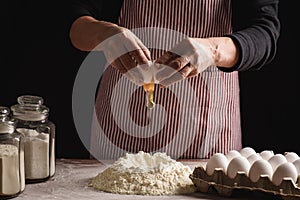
(256,29)
(86,32)
(224,51)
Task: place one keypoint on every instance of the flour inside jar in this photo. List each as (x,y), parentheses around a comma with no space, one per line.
(10,177)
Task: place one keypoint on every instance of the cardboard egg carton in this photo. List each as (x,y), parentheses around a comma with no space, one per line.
(224,185)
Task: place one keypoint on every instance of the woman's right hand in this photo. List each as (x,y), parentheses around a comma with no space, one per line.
(122,48)
(125,51)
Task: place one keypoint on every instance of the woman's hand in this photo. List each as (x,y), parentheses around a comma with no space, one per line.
(192,56)
(125,51)
(121,47)
(187,59)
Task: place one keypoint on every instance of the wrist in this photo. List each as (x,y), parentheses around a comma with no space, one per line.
(106,30)
(223,50)
(86,32)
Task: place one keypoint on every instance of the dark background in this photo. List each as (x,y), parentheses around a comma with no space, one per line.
(37,58)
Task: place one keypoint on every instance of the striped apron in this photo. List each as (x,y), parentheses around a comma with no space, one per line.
(194,118)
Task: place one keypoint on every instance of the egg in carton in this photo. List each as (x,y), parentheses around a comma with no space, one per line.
(222,179)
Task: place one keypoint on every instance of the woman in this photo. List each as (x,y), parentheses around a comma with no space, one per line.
(195,49)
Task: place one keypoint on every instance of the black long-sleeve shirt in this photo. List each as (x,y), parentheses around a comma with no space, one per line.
(256,27)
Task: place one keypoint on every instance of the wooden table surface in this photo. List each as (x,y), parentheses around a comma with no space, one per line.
(71,182)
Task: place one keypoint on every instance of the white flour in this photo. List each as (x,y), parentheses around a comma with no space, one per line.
(145,174)
(10,176)
(36,148)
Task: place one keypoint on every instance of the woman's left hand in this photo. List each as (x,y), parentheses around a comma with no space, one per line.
(187,59)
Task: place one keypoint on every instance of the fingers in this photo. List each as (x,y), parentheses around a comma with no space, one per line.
(172,68)
(133,43)
(163,70)
(166,58)
(186,71)
(171,80)
(140,56)
(179,63)
(118,65)
(130,63)
(193,73)
(127,65)
(127,53)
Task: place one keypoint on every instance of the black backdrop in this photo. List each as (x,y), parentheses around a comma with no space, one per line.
(37,58)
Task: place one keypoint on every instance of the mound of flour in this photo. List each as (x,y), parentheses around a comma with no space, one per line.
(145,174)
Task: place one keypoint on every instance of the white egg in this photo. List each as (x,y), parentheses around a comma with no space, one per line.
(258,168)
(277,160)
(232,154)
(218,160)
(238,164)
(247,151)
(266,154)
(254,157)
(297,165)
(285,170)
(291,156)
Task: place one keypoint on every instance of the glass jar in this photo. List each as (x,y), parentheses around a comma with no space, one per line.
(39,133)
(12,169)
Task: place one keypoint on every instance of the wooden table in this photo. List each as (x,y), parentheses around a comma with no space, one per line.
(71,182)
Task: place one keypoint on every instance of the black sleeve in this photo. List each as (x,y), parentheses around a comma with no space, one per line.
(106,10)
(256,29)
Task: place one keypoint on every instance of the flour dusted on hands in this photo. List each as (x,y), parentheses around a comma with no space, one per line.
(145,174)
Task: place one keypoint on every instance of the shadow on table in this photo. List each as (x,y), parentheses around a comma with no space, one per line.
(236,195)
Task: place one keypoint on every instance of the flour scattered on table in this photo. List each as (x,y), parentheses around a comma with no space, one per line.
(145,174)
